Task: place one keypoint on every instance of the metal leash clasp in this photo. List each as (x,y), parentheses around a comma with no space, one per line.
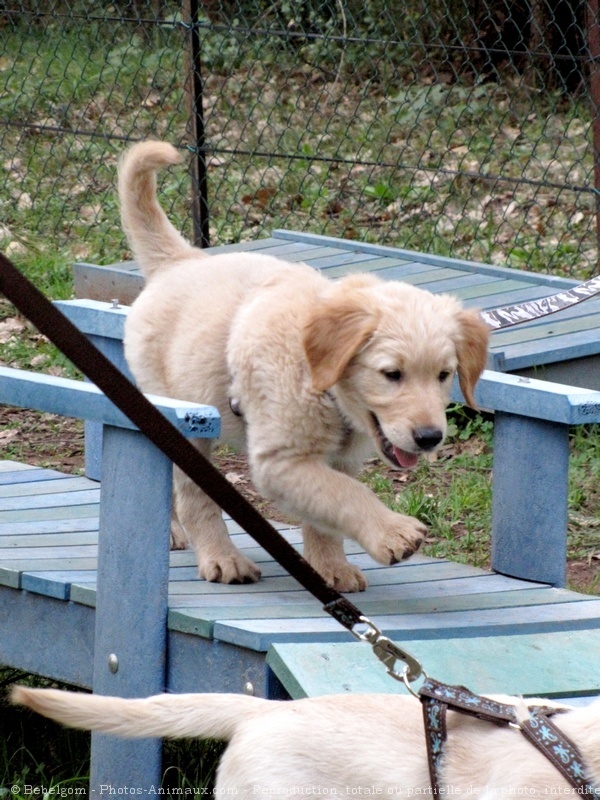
(389,653)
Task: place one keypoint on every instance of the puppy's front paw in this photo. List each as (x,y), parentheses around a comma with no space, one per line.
(230,567)
(402,537)
(325,553)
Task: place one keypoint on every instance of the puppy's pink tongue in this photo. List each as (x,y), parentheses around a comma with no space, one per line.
(406,460)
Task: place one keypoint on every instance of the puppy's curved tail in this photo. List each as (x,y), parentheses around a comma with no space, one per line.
(207,716)
(155,242)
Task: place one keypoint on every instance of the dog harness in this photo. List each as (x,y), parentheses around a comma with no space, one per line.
(437,698)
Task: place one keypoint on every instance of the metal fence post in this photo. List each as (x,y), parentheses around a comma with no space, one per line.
(593,38)
(196,123)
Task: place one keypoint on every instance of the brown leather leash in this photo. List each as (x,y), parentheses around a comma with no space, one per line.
(87,358)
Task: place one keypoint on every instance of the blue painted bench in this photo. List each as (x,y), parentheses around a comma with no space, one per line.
(85,571)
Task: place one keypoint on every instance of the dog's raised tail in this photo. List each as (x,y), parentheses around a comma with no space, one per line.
(207,716)
(155,242)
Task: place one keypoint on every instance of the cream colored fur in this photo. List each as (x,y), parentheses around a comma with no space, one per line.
(309,361)
(338,745)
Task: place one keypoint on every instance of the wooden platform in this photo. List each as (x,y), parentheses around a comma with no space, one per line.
(564,348)
(49,544)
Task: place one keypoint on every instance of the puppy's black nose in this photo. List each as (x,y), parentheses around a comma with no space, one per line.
(427,438)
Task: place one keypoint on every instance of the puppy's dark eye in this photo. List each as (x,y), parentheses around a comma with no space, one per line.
(444,375)
(393,374)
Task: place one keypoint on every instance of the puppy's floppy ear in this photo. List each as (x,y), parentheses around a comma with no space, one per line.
(472,347)
(336,332)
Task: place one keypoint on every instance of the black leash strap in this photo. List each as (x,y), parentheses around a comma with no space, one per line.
(68,338)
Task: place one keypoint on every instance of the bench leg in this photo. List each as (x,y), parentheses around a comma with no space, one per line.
(113,350)
(530,495)
(131,602)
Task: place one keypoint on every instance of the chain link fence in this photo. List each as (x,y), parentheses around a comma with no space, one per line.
(460,127)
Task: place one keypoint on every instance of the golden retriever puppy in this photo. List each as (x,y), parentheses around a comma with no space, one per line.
(311,376)
(337,745)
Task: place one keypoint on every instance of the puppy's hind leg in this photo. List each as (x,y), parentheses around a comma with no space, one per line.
(325,552)
(218,559)
(178,538)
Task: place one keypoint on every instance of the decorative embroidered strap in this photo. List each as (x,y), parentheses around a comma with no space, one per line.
(461,699)
(558,749)
(437,697)
(507,316)
(434,721)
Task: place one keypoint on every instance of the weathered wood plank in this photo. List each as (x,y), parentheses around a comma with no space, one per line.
(26,528)
(14,466)
(11,572)
(15,542)
(534,398)
(30,515)
(260,634)
(331,260)
(10,476)
(45,487)
(56,584)
(26,502)
(181,575)
(374,264)
(575,345)
(557,664)
(529,507)
(249,246)
(34,554)
(290,605)
(549,328)
(96,317)
(83,400)
(318,240)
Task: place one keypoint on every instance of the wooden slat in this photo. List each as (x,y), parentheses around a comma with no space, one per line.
(549,327)
(26,502)
(578,344)
(330,259)
(14,466)
(16,542)
(55,584)
(260,634)
(318,240)
(31,527)
(12,475)
(284,605)
(557,664)
(30,515)
(530,397)
(83,400)
(34,554)
(45,487)
(247,247)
